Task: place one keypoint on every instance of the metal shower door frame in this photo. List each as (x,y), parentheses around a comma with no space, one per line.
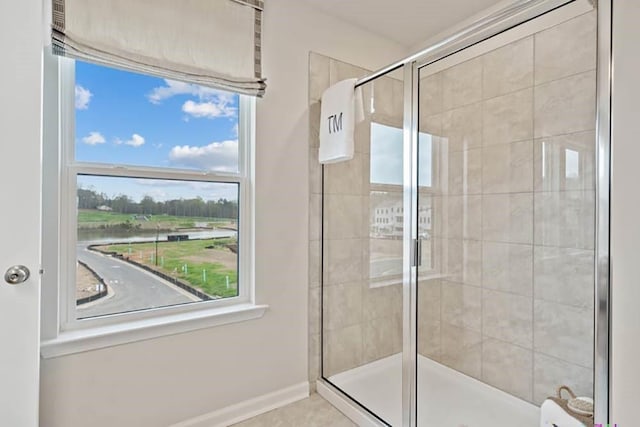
(519,12)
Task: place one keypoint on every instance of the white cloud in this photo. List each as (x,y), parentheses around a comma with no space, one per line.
(210,103)
(218,156)
(83,96)
(174,88)
(235,129)
(208,109)
(94,138)
(135,141)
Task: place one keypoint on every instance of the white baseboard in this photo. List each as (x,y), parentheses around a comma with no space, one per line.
(249,408)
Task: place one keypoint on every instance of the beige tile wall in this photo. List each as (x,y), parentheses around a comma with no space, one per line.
(513,226)
(361,323)
(319,76)
(512,239)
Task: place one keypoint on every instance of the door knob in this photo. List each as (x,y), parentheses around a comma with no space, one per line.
(16,274)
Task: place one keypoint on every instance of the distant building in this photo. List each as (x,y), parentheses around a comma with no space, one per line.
(104,208)
(387,219)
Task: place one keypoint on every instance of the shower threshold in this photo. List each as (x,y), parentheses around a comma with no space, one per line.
(445,397)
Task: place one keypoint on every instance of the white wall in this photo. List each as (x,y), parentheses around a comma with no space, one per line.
(625,213)
(435,38)
(166,380)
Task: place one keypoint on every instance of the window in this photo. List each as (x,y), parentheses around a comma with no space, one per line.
(153,180)
(386,156)
(572,163)
(386,201)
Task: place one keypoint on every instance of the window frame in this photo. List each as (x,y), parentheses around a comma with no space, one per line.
(433,190)
(60,170)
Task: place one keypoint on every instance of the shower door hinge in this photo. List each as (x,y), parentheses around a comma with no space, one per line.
(416,248)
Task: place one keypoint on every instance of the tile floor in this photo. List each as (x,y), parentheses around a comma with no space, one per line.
(313,411)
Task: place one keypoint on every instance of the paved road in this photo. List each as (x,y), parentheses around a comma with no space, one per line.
(133,288)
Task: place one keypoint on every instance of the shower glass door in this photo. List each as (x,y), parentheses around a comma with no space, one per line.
(458,245)
(363,217)
(506,208)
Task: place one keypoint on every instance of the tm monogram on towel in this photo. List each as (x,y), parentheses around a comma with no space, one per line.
(340,110)
(335,123)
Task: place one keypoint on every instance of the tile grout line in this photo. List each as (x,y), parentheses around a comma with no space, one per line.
(482,336)
(311,310)
(441,265)
(533,224)
(533,86)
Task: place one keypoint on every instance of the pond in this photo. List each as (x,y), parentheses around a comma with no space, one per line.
(126,236)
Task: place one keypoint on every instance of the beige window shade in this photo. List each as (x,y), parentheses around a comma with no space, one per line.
(209,42)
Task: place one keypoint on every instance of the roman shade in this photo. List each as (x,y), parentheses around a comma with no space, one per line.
(210,42)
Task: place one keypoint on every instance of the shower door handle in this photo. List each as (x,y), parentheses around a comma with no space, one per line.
(417,252)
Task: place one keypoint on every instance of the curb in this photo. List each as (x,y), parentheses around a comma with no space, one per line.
(97,296)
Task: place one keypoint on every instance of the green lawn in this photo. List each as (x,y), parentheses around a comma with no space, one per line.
(89,218)
(197,258)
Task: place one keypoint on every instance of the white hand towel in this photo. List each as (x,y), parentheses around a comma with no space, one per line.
(340,110)
(552,414)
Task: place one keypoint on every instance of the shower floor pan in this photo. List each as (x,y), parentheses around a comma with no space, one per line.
(446,397)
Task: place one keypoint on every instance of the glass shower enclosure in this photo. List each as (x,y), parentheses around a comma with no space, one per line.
(465,246)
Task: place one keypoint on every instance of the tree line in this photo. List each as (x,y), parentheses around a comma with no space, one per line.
(221,208)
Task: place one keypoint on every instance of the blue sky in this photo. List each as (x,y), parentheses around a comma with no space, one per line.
(128,118)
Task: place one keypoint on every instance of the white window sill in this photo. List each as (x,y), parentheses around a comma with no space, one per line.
(77,341)
(422,276)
